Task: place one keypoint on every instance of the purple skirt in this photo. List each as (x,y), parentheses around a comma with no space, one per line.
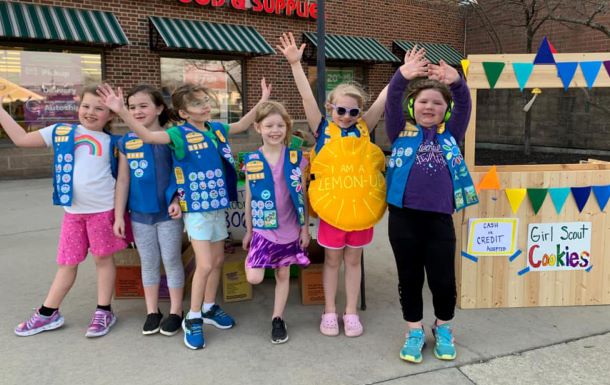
(265,254)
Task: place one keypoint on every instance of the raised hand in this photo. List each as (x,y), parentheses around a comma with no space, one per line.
(110,99)
(289,48)
(443,73)
(415,65)
(266,90)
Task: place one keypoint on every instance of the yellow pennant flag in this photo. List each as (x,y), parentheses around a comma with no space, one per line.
(490,181)
(515,197)
(465,64)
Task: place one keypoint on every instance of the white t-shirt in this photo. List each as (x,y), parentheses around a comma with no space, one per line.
(93,184)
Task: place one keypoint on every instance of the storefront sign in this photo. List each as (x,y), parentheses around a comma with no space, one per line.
(492,236)
(559,246)
(305,9)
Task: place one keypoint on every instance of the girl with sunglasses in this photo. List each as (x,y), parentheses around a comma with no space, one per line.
(345,105)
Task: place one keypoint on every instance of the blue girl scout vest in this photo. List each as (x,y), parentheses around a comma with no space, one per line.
(143,175)
(63,162)
(403,155)
(205,180)
(260,181)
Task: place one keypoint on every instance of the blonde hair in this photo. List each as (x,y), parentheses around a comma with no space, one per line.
(268,108)
(351,89)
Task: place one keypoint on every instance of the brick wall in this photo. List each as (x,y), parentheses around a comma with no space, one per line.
(431,21)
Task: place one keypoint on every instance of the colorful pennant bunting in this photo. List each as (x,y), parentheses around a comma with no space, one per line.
(590,70)
(566,71)
(559,196)
(537,196)
(545,54)
(607,65)
(493,71)
(581,196)
(465,64)
(602,193)
(522,73)
(515,197)
(490,181)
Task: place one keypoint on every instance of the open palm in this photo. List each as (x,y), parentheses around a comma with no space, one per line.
(288,47)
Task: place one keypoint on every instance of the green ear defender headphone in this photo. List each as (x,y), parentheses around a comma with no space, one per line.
(410,108)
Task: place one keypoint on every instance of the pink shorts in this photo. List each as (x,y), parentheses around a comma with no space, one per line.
(334,238)
(81,233)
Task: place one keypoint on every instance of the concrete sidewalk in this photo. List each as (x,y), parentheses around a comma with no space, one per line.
(504,346)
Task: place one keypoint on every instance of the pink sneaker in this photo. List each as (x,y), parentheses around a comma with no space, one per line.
(39,323)
(329,325)
(101,322)
(352,325)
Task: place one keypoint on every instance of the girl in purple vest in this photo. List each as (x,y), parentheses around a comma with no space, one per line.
(205,180)
(427,181)
(275,208)
(84,184)
(345,105)
(143,178)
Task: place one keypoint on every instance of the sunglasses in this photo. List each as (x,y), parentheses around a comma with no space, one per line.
(353,112)
(199,102)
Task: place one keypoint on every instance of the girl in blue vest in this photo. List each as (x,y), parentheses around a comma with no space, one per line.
(275,208)
(84,179)
(144,175)
(205,180)
(345,105)
(427,180)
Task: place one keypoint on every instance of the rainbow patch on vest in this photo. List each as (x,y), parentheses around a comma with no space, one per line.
(194,137)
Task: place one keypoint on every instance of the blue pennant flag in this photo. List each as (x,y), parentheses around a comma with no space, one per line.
(545,54)
(581,196)
(559,196)
(522,73)
(566,71)
(602,193)
(590,69)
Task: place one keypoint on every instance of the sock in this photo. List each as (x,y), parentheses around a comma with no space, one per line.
(104,307)
(207,306)
(46,311)
(193,314)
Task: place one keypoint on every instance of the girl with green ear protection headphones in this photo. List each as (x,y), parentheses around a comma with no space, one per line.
(411,103)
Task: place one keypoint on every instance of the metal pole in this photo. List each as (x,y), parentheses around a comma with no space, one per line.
(321,58)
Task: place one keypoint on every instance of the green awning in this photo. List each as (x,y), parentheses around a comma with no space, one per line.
(353,48)
(203,36)
(434,51)
(43,22)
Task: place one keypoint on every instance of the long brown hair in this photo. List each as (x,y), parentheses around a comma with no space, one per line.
(155,96)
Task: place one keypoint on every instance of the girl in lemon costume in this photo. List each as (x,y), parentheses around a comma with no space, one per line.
(346,133)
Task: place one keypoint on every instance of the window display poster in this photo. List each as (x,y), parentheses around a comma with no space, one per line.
(56,76)
(559,246)
(334,77)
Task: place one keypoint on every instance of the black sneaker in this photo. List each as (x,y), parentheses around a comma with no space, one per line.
(151,326)
(279,334)
(171,325)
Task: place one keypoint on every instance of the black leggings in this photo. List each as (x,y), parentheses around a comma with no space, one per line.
(423,240)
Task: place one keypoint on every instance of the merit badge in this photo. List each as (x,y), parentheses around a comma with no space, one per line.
(266,194)
(138,173)
(192,176)
(134,144)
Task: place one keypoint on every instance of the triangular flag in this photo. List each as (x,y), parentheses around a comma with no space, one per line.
(553,50)
(515,197)
(493,71)
(537,196)
(490,181)
(590,69)
(522,73)
(566,71)
(544,55)
(465,64)
(607,65)
(581,196)
(559,196)
(602,193)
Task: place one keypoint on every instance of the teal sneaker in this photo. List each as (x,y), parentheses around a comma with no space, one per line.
(415,342)
(217,317)
(445,348)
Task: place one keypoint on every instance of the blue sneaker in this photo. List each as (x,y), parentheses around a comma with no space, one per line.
(444,349)
(415,342)
(217,317)
(193,333)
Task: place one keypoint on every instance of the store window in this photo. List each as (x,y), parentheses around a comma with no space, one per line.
(334,77)
(41,88)
(222,77)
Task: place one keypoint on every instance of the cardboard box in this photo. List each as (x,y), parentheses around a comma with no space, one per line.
(128,283)
(310,281)
(235,286)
